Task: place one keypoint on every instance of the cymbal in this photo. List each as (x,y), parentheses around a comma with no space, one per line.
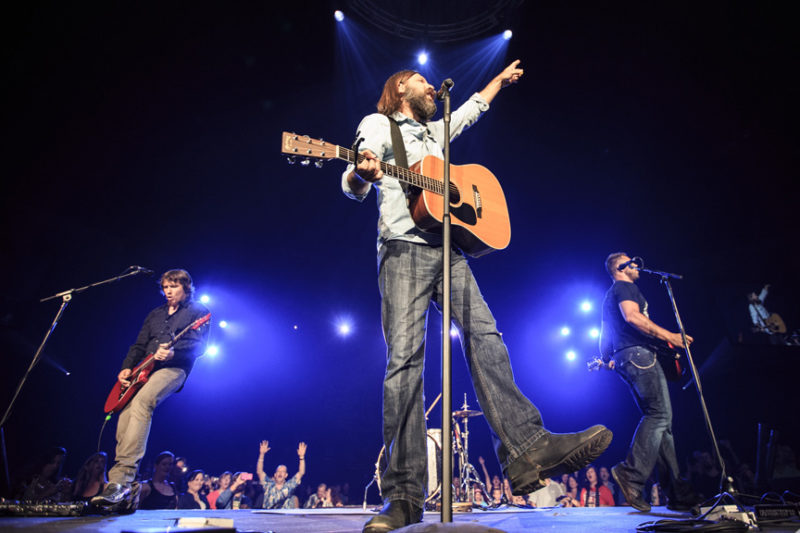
(466,413)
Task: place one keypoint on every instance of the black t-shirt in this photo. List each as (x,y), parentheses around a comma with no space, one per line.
(620,332)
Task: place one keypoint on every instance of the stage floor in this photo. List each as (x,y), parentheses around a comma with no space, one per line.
(350,520)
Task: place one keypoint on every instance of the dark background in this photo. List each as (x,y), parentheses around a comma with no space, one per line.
(149,134)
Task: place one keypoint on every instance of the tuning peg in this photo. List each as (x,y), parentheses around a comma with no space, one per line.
(305,162)
(291,160)
(318,164)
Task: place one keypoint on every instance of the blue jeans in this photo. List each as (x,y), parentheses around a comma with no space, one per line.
(410,276)
(653,442)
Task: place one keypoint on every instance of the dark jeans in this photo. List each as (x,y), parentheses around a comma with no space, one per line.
(653,442)
(410,276)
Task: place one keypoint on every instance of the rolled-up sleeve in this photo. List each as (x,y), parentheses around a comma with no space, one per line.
(462,118)
(374,129)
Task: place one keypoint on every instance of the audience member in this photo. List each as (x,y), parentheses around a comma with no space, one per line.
(159,492)
(321,498)
(493,484)
(46,483)
(91,477)
(594,493)
(571,495)
(279,490)
(547,496)
(178,474)
(193,498)
(605,479)
(223,483)
(234,497)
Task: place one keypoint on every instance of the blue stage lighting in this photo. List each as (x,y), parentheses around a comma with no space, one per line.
(223,324)
(422,58)
(565,331)
(507,35)
(294,327)
(586,306)
(344,329)
(453,332)
(338,15)
(594,333)
(212,351)
(571,355)
(204,299)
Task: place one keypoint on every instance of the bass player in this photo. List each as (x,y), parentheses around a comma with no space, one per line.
(626,337)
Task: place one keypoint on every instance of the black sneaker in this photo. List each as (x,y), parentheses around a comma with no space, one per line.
(113,494)
(394,515)
(554,454)
(633,496)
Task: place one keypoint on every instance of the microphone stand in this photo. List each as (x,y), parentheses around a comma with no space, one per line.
(726,482)
(66,297)
(447,359)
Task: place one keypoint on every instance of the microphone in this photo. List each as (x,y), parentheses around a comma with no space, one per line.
(638,261)
(141,269)
(446,85)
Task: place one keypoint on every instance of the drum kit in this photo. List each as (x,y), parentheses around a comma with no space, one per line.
(467,475)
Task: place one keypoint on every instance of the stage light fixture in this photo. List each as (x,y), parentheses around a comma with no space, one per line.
(571,355)
(507,34)
(338,15)
(344,329)
(565,331)
(212,351)
(586,306)
(223,324)
(422,58)
(594,333)
(205,298)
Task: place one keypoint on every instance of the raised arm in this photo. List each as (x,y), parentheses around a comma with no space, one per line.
(482,461)
(301,455)
(511,74)
(263,448)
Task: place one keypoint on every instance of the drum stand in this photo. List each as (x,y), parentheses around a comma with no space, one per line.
(467,473)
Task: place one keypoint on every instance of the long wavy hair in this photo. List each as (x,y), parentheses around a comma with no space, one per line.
(391,99)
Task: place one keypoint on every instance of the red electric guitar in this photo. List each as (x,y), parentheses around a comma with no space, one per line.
(120,395)
(479,214)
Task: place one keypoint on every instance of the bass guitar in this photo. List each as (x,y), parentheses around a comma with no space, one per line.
(120,395)
(670,359)
(479,214)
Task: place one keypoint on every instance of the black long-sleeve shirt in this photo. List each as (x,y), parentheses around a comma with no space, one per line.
(159,327)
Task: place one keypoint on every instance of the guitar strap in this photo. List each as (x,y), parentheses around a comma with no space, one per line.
(399,149)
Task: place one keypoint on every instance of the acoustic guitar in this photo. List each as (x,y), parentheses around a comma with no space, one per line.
(479,214)
(120,395)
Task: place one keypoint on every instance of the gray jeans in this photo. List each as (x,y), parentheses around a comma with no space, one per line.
(133,426)
(410,276)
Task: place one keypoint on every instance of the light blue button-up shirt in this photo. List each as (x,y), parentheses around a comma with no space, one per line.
(394,219)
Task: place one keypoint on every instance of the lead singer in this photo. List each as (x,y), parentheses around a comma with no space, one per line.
(409,277)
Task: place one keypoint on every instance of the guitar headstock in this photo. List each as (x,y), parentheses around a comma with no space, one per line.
(201,321)
(306,148)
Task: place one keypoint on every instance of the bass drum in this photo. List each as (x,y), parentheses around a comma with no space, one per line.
(434,447)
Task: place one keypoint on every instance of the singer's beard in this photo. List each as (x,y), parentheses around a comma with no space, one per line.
(422,108)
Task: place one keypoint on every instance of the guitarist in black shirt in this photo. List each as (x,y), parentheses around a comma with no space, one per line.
(626,341)
(173,362)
